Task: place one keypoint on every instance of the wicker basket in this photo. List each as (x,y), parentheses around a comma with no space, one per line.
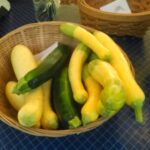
(68,2)
(37,37)
(134,24)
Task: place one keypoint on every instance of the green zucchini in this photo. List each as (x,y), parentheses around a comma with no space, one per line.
(63,102)
(46,70)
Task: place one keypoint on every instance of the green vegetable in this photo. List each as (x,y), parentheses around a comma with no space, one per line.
(63,101)
(113,98)
(46,70)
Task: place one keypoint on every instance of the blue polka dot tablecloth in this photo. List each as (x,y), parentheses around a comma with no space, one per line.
(122,132)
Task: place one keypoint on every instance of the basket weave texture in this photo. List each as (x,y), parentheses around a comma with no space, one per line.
(36,36)
(134,24)
(68,1)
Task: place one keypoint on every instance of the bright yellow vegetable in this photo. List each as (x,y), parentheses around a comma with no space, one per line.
(86,38)
(134,94)
(23,61)
(30,113)
(76,64)
(103,72)
(49,118)
(93,106)
(17,101)
(112,95)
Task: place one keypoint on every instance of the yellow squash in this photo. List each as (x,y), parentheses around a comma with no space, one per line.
(134,94)
(76,64)
(30,113)
(49,118)
(16,101)
(86,38)
(112,95)
(93,106)
(23,61)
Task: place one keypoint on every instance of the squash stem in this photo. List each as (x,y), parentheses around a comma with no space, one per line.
(137,107)
(138,114)
(88,118)
(75,122)
(68,29)
(21,87)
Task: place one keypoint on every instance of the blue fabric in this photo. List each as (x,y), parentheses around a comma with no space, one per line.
(122,132)
(21,13)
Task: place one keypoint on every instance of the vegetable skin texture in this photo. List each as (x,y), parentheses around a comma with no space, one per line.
(16,101)
(134,94)
(22,60)
(63,102)
(112,95)
(44,71)
(91,109)
(29,114)
(87,38)
(49,118)
(76,64)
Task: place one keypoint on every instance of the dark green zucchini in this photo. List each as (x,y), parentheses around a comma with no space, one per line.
(46,70)
(63,102)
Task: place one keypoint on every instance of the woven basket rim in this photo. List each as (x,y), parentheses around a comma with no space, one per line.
(51,133)
(84,4)
(43,132)
(23,27)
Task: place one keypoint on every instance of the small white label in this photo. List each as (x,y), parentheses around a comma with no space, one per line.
(117,6)
(43,54)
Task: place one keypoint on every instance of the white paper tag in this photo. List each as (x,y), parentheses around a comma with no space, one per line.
(117,6)
(43,54)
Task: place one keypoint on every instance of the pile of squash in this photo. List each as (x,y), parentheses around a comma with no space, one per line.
(70,88)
